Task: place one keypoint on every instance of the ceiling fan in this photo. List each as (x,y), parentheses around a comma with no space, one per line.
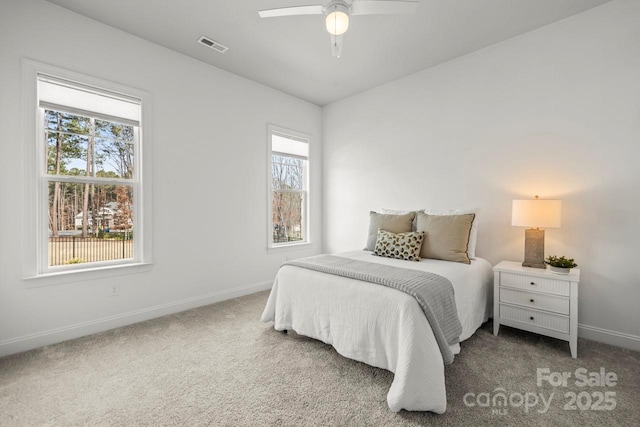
(337,14)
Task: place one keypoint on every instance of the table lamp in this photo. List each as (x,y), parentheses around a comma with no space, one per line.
(535,214)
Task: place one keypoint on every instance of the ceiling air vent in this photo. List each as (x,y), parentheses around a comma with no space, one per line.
(212,44)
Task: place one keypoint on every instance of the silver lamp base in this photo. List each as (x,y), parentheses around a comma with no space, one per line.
(534,248)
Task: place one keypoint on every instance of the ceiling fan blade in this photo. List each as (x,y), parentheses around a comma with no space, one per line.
(380,7)
(290,11)
(336,45)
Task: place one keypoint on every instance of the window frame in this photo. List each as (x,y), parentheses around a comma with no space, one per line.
(306,221)
(37,271)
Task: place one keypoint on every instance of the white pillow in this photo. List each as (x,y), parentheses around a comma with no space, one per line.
(473,234)
(395,212)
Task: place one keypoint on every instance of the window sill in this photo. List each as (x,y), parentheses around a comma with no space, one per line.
(289,247)
(69,276)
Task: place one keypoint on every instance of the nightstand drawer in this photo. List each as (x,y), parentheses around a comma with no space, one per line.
(530,283)
(535,300)
(532,317)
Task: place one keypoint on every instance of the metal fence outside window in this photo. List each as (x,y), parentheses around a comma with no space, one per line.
(78,249)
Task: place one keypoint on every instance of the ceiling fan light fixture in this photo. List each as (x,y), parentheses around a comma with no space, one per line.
(337,19)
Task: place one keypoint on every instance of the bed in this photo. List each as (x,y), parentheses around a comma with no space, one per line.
(380,326)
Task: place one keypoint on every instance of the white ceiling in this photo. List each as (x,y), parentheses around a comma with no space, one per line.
(293,54)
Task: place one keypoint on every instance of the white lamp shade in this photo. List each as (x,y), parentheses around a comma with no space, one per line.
(536,213)
(337,21)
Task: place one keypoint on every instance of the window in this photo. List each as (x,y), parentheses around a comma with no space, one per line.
(88,166)
(289,187)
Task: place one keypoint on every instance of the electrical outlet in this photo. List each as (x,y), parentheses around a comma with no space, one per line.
(115,290)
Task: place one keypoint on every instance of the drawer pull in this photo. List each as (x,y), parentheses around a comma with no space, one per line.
(531,318)
(531,300)
(533,283)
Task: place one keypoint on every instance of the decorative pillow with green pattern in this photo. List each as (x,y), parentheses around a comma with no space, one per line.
(399,245)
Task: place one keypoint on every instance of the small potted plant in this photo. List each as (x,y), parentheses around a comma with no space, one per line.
(560,264)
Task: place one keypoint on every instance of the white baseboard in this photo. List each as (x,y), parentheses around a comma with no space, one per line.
(52,336)
(606,336)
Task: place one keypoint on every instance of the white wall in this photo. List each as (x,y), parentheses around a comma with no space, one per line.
(209,166)
(554,112)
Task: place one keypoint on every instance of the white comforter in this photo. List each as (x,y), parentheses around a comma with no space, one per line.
(380,326)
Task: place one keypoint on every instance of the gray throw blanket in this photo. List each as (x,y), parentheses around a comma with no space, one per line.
(434,293)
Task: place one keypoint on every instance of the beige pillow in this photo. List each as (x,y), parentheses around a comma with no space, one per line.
(392,223)
(473,236)
(446,236)
(400,212)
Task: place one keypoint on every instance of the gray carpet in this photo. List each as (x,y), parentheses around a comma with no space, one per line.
(219,365)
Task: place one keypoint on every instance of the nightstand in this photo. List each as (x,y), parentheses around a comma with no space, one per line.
(537,300)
